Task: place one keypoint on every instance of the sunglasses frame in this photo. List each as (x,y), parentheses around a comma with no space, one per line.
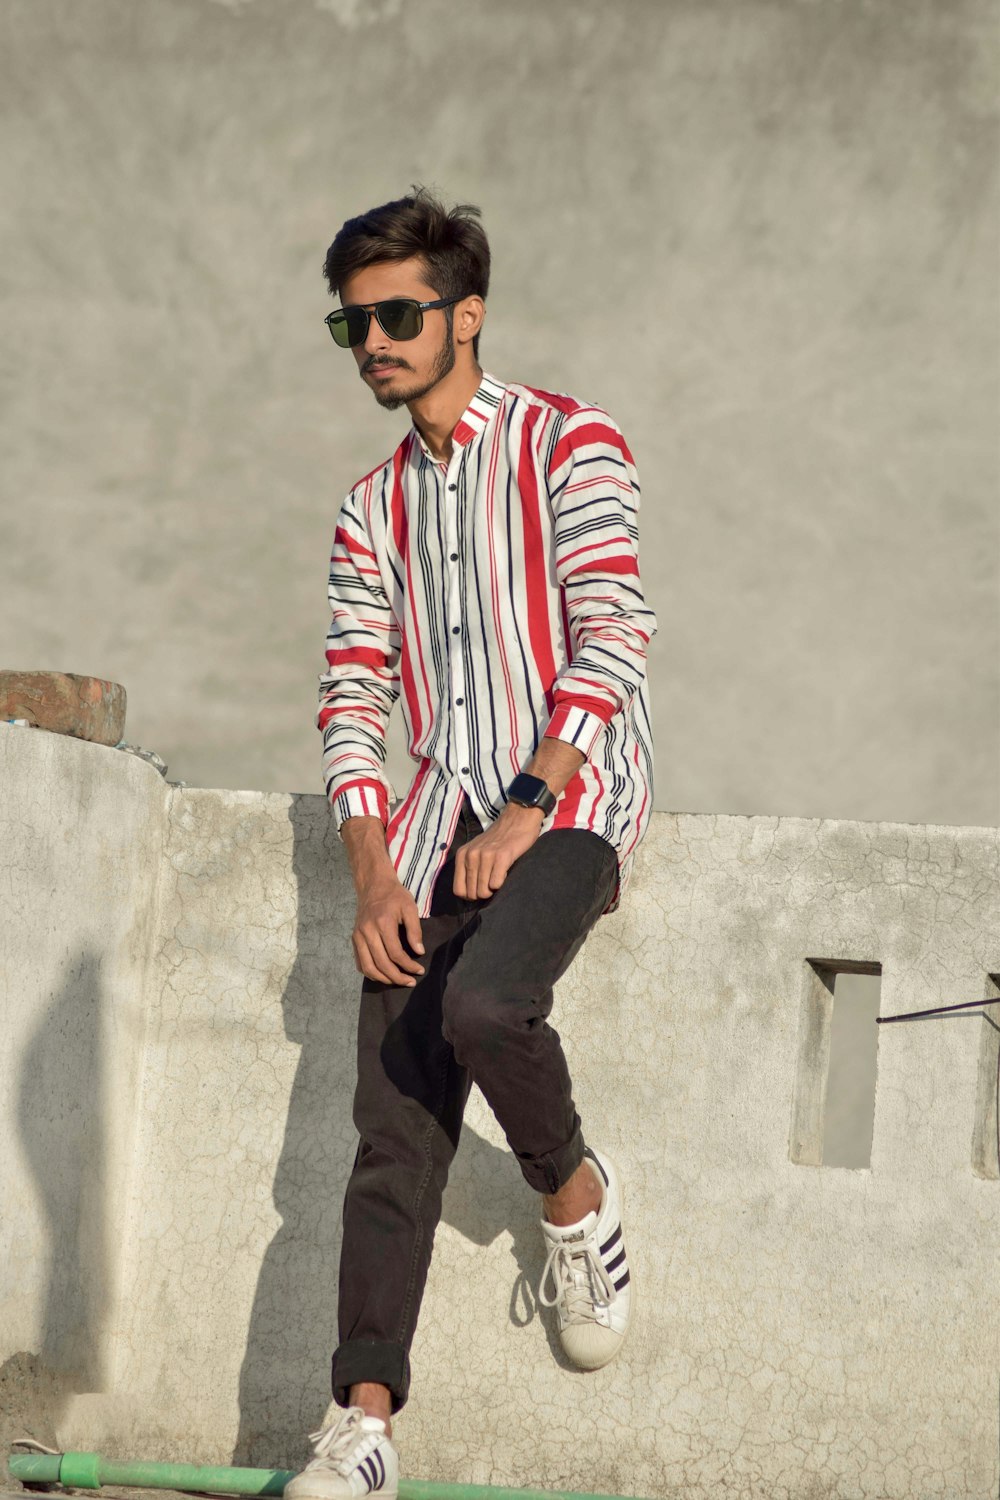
(375,307)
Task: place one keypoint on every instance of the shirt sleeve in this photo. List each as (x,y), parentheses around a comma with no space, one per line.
(594,492)
(361,683)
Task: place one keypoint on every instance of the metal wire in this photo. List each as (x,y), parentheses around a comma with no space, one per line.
(937,1010)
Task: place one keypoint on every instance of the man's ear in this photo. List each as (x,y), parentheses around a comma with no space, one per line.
(469,315)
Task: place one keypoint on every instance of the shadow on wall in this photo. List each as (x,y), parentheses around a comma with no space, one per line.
(285,1376)
(61,1123)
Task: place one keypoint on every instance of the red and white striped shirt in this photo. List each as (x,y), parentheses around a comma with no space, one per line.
(498,596)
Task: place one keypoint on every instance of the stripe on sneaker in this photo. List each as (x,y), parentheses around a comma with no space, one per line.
(612,1265)
(624,1281)
(613,1240)
(381,1469)
(368,1470)
(591,1157)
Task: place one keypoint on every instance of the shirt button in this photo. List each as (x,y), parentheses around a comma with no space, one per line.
(453,486)
(465,770)
(455,629)
(454,556)
(459,702)
(442,846)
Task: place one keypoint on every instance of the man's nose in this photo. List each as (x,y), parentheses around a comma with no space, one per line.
(377,340)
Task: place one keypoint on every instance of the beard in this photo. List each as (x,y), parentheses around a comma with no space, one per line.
(444,363)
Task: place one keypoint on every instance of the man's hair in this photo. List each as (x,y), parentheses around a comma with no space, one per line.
(450,242)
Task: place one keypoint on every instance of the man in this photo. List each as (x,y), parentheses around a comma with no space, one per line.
(487,575)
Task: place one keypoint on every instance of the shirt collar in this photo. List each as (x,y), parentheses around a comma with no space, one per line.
(477,415)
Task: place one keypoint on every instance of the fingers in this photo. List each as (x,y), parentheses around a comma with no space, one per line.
(364,962)
(458,881)
(379,952)
(383,961)
(479,872)
(411,924)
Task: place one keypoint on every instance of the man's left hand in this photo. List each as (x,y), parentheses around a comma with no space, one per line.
(481,865)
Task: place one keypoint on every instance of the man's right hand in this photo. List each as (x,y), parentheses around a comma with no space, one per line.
(385,905)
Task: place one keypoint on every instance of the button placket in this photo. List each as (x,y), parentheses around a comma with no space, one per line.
(454,497)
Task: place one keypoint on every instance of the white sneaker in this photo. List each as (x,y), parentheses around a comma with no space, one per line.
(590,1276)
(353,1458)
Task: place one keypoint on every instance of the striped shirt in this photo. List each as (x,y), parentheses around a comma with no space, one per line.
(498,596)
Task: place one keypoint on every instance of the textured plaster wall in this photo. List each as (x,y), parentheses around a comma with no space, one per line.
(801,1330)
(762,232)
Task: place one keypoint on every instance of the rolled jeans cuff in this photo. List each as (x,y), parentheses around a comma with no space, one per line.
(370,1360)
(548,1173)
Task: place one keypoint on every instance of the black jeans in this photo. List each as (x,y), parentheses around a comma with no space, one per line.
(477,1015)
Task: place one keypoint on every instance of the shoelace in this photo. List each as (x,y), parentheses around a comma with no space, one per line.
(578,1275)
(335,1444)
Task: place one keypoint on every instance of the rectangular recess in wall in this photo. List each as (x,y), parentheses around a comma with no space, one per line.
(833,1105)
(985,1147)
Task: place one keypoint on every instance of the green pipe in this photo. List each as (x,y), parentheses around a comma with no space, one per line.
(88,1471)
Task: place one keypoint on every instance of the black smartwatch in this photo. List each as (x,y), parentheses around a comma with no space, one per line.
(531,791)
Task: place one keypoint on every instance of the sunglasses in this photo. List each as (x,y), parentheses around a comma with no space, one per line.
(401,318)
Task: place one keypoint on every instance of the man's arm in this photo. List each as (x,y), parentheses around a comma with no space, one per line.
(357,694)
(594,491)
(384,905)
(361,682)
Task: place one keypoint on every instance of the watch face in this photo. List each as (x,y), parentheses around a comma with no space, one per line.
(531,791)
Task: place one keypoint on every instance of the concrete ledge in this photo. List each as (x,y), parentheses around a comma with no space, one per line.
(178,1062)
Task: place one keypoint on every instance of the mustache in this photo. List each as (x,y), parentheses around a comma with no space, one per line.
(384,364)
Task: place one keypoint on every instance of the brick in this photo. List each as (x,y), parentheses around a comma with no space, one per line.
(87,707)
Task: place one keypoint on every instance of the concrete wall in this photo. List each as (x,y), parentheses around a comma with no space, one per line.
(81,836)
(802,1330)
(780,218)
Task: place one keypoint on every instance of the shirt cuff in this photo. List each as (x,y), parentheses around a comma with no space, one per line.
(361,798)
(577,726)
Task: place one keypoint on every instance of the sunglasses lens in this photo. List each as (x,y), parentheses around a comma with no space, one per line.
(400,319)
(348,326)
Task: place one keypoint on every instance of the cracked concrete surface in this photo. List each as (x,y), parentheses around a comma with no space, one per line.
(178,1060)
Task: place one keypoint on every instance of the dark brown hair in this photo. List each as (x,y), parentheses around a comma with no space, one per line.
(450,242)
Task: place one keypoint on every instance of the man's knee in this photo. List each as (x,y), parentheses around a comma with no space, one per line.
(472,1017)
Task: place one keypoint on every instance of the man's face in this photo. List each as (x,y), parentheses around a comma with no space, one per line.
(406,370)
